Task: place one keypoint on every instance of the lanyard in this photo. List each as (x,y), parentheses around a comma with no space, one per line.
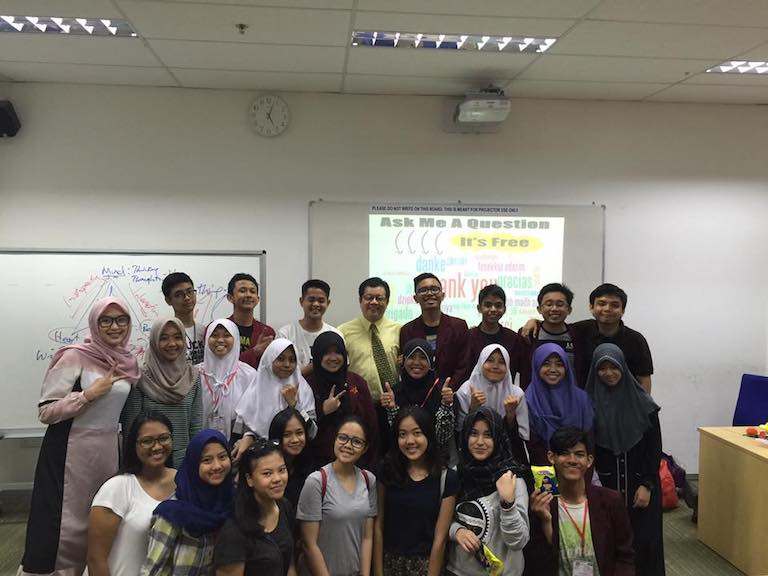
(583,532)
(429,392)
(215,392)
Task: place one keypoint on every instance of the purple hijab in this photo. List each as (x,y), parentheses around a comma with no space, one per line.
(552,407)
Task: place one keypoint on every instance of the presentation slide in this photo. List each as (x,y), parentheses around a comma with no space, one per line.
(466,247)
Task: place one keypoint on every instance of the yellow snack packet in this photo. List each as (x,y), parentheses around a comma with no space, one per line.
(492,565)
(545,479)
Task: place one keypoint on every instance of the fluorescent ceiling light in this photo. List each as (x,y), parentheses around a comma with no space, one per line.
(740,67)
(60,25)
(441,41)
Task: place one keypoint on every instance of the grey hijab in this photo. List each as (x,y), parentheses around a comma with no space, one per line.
(622,412)
(163,381)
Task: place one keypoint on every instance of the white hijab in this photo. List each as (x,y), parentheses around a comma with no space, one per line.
(264,399)
(223,380)
(495,393)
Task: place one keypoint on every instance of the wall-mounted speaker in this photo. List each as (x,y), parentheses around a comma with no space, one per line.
(9,122)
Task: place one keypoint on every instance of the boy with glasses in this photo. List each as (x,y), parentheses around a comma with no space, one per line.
(180,294)
(583,531)
(373,340)
(446,334)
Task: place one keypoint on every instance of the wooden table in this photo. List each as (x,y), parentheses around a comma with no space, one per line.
(733,497)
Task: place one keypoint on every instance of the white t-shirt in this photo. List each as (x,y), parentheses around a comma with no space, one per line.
(125,497)
(303,340)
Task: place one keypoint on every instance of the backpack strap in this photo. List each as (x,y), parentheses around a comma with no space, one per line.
(443,474)
(365,477)
(323,483)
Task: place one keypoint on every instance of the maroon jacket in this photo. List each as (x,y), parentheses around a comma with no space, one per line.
(250,356)
(510,340)
(611,537)
(327,426)
(452,333)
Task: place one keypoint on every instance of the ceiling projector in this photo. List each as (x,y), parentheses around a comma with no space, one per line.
(489,106)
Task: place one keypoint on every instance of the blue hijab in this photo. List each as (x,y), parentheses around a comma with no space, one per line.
(198,508)
(552,407)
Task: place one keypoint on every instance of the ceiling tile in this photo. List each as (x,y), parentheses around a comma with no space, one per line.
(400,22)
(64,8)
(217,23)
(658,40)
(238,56)
(75,49)
(315,4)
(612,69)
(759,53)
(373,84)
(237,80)
(86,74)
(442,63)
(719,94)
(581,90)
(715,12)
(518,8)
(715,79)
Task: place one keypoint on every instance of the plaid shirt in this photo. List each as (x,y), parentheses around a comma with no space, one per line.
(173,552)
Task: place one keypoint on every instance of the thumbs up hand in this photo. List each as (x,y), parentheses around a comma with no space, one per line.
(446,394)
(478,398)
(388,397)
(510,406)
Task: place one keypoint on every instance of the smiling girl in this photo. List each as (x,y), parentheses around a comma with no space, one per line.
(184,528)
(337,508)
(289,429)
(491,385)
(492,514)
(224,379)
(258,538)
(416,498)
(628,450)
(168,385)
(554,401)
(118,530)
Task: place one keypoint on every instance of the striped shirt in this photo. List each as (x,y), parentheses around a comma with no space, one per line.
(186,416)
(173,552)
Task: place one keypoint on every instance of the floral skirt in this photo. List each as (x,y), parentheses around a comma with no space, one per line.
(405,565)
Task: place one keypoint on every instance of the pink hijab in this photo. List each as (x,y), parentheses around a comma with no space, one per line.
(95,354)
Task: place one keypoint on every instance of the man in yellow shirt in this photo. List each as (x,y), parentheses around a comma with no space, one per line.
(373,342)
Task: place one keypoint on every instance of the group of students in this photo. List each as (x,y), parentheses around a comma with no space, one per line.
(371,448)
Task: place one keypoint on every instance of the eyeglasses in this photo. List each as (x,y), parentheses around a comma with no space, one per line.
(373,298)
(356,442)
(150,441)
(429,290)
(188,293)
(107,321)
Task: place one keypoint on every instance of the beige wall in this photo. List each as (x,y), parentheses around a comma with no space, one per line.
(686,190)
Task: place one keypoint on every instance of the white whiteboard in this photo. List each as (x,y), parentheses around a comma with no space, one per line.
(339,254)
(46,297)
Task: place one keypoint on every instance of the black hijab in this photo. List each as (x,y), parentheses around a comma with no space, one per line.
(421,392)
(478,478)
(323,381)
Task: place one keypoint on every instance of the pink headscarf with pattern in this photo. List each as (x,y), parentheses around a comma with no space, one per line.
(96,354)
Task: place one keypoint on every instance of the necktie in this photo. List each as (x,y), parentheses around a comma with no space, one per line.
(383,367)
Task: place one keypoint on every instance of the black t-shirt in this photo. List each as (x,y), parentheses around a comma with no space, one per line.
(497,338)
(410,514)
(269,555)
(245,336)
(632,343)
(430,335)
